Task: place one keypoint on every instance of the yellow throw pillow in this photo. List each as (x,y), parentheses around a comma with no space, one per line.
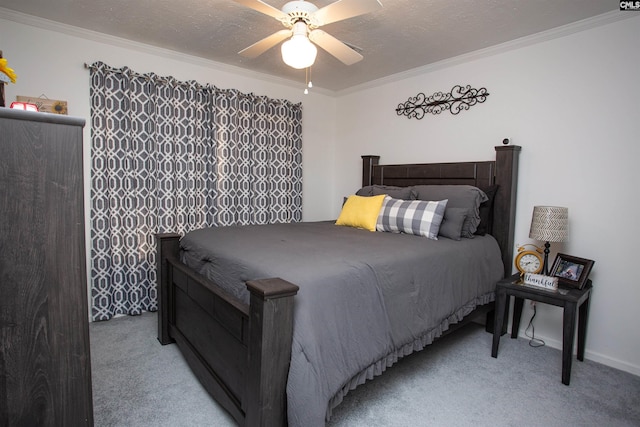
(361,212)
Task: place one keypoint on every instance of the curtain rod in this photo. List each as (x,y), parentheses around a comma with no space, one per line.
(146,77)
(164,80)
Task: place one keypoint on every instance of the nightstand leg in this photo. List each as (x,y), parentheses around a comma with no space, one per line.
(568,333)
(517,315)
(583,313)
(501,301)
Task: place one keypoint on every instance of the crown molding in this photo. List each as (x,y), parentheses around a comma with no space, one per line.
(555,33)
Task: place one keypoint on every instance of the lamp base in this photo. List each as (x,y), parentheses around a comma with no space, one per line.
(545,265)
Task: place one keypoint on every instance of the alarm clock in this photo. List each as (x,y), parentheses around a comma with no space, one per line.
(529,259)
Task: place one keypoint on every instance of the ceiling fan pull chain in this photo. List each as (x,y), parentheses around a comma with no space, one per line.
(308,84)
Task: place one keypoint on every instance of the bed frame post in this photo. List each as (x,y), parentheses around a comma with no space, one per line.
(167,246)
(269,352)
(368,162)
(505,202)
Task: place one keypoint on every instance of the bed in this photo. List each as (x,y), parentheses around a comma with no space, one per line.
(279,322)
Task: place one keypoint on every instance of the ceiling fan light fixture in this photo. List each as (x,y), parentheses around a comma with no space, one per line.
(302,20)
(298,52)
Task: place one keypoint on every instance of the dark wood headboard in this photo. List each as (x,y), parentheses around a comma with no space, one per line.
(503,172)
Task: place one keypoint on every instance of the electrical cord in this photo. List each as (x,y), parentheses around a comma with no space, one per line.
(533,341)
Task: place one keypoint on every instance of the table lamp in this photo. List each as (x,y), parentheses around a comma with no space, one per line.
(549,224)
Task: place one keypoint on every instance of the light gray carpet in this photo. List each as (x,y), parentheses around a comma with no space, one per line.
(454,382)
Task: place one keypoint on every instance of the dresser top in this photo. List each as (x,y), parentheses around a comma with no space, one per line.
(11,113)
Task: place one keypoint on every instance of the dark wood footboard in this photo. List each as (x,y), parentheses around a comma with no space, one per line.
(239,352)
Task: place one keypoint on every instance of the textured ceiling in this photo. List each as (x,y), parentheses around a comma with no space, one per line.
(403,35)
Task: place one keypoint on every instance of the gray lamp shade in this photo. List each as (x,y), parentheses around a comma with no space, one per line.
(549,224)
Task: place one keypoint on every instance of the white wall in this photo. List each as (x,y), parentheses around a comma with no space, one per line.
(49,59)
(572,103)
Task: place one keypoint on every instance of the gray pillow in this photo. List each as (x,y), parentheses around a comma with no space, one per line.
(451,226)
(404,193)
(459,196)
(486,211)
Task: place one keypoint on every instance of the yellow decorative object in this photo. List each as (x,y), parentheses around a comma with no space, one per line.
(4,69)
(361,212)
(59,107)
(529,260)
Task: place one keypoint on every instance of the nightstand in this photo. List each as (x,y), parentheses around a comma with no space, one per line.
(574,302)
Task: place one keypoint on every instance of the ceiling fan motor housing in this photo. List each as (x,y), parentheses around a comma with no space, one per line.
(299,10)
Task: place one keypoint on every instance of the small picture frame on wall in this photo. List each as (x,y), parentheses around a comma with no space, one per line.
(571,271)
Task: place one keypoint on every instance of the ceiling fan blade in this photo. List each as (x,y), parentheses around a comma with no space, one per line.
(258,48)
(261,6)
(335,47)
(344,9)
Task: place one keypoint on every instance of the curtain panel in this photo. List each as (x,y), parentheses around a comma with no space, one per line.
(172,156)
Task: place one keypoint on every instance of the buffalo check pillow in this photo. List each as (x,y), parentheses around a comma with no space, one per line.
(419,217)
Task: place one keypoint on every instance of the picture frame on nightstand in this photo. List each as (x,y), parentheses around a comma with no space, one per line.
(571,271)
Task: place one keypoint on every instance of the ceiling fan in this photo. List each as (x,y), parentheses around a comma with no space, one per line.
(302,20)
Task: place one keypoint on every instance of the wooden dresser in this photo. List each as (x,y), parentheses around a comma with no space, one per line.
(45,366)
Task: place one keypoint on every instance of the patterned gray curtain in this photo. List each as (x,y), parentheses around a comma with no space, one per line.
(171,156)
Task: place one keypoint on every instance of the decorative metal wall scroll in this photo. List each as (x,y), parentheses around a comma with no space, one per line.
(460,98)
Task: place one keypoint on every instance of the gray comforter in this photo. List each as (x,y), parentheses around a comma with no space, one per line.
(366,298)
